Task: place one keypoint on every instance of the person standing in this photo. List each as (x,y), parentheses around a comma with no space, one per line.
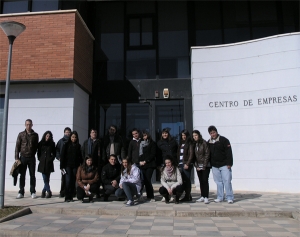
(221,161)
(59,146)
(46,155)
(202,165)
(185,156)
(70,160)
(26,147)
(134,147)
(167,146)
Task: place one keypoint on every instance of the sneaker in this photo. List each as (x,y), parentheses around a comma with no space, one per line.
(230,201)
(206,201)
(217,200)
(19,196)
(129,203)
(200,199)
(171,199)
(163,199)
(152,200)
(33,196)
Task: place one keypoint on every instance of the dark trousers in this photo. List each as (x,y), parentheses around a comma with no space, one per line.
(186,179)
(147,173)
(30,163)
(176,191)
(70,177)
(62,186)
(81,192)
(203,180)
(109,189)
(128,190)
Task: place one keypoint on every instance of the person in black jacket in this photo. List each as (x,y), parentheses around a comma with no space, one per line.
(147,163)
(221,161)
(134,147)
(167,146)
(46,155)
(110,176)
(70,160)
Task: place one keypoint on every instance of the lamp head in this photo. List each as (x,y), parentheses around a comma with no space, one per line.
(12,28)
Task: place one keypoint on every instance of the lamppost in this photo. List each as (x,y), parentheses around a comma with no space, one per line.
(12,29)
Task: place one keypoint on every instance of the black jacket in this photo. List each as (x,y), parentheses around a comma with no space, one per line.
(118,147)
(110,173)
(134,151)
(26,144)
(46,155)
(96,152)
(220,152)
(60,145)
(71,156)
(166,147)
(149,155)
(188,153)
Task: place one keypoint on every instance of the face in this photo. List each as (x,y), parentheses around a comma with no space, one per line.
(73,138)
(213,134)
(195,137)
(47,137)
(145,137)
(112,160)
(183,136)
(168,163)
(89,162)
(124,163)
(135,134)
(28,125)
(111,131)
(93,134)
(67,133)
(165,135)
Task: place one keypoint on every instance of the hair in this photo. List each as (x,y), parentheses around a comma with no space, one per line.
(170,158)
(135,129)
(44,136)
(67,129)
(148,135)
(85,166)
(188,137)
(28,120)
(212,128)
(167,131)
(114,126)
(200,140)
(129,165)
(93,129)
(74,133)
(112,155)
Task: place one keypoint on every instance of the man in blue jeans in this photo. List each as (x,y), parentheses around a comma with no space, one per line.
(221,161)
(26,146)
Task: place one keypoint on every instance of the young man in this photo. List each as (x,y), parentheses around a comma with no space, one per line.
(221,161)
(26,147)
(59,147)
(134,147)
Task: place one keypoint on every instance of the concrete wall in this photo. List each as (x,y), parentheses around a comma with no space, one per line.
(51,107)
(251,91)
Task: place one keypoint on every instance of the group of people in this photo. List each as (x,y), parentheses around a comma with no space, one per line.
(126,171)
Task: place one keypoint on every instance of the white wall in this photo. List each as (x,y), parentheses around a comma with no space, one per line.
(51,107)
(264,136)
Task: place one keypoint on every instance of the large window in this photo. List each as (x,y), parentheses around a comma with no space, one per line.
(17,6)
(14,6)
(140,32)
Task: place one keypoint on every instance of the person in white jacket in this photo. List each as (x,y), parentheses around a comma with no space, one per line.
(171,181)
(130,183)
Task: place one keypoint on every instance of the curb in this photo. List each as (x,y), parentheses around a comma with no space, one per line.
(17,214)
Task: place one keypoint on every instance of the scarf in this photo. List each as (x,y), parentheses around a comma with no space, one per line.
(90,146)
(142,145)
(169,171)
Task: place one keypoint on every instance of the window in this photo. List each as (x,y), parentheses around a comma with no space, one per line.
(42,5)
(15,6)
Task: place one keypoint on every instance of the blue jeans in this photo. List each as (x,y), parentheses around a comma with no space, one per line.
(223,177)
(46,178)
(129,190)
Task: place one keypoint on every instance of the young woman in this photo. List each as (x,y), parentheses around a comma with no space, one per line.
(70,160)
(202,165)
(147,154)
(171,181)
(185,156)
(87,179)
(46,155)
(130,183)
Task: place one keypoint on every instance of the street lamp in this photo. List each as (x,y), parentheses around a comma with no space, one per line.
(12,29)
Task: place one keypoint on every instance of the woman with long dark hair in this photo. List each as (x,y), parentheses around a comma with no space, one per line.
(171,181)
(46,155)
(185,156)
(167,146)
(70,160)
(202,165)
(147,163)
(130,183)
(87,179)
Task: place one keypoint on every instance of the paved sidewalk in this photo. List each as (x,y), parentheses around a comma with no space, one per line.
(252,214)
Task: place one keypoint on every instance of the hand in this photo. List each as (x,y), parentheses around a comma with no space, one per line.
(229,166)
(114,183)
(170,191)
(142,162)
(186,167)
(121,186)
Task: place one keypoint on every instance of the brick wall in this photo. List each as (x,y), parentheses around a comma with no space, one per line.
(46,50)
